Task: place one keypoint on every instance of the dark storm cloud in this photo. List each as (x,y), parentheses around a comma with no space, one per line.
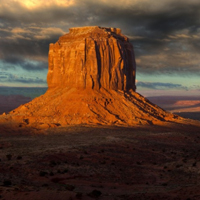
(154,28)
(50,14)
(29,54)
(15,61)
(34,66)
(32,47)
(4,33)
(195,45)
(179,17)
(159,85)
(139,17)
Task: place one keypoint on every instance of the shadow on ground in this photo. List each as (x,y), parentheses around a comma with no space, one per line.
(98,162)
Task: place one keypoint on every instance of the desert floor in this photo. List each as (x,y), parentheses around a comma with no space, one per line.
(98,162)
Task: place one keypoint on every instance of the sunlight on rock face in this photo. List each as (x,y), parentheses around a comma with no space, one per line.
(92,57)
(91,80)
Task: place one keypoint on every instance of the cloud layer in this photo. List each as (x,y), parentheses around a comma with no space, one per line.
(160,85)
(165,34)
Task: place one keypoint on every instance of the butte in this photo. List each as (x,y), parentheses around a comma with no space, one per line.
(91,80)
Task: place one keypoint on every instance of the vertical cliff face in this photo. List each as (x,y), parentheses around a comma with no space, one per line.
(94,58)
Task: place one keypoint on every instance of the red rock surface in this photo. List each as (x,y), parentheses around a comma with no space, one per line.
(91,80)
(92,57)
(72,106)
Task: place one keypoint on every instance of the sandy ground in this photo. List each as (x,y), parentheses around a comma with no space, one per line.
(80,162)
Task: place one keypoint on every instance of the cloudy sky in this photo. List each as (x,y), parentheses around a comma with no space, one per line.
(165,35)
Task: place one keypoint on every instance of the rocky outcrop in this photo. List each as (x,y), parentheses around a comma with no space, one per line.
(92,57)
(91,80)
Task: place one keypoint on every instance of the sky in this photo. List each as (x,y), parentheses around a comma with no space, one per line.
(165,35)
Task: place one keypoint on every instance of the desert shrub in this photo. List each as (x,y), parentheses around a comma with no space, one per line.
(19,157)
(179,165)
(69,187)
(9,156)
(43,173)
(85,152)
(65,170)
(194,164)
(95,194)
(7,182)
(52,163)
(79,195)
(51,174)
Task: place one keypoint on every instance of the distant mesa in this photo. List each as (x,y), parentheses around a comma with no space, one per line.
(91,80)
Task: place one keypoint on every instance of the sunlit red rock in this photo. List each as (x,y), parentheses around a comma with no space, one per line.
(92,57)
(91,80)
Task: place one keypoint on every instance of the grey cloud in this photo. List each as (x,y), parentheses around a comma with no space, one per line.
(32,66)
(12,60)
(153,24)
(167,57)
(136,17)
(4,33)
(3,77)
(159,85)
(141,20)
(195,45)
(40,16)
(24,47)
(7,67)
(14,79)
(179,17)
(3,73)
(28,80)
(25,64)
(16,51)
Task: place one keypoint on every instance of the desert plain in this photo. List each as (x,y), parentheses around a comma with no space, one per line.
(101,162)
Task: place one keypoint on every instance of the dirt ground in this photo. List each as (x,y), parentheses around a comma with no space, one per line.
(80,162)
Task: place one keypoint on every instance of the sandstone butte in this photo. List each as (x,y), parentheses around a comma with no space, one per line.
(91,80)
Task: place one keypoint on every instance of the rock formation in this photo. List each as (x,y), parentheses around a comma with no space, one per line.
(91,80)
(92,57)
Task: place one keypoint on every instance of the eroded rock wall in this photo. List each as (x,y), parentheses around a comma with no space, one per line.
(92,57)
